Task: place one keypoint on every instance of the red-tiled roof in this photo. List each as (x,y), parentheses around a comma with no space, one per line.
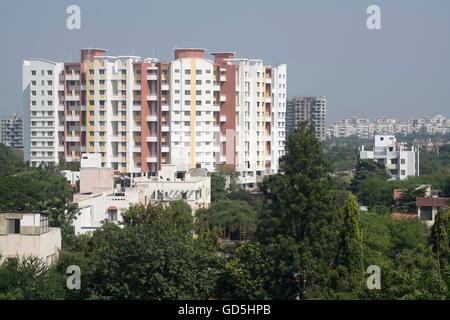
(432,202)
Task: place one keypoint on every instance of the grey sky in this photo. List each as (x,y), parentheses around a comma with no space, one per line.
(401,71)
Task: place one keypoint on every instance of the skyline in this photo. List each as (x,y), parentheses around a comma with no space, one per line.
(362,73)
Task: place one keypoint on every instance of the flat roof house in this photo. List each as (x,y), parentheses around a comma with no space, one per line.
(28,234)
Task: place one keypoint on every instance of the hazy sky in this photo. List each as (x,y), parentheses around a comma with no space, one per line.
(400,71)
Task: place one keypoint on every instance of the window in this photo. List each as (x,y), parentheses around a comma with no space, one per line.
(33,72)
(13,226)
(184,195)
(44,224)
(112,215)
(187,71)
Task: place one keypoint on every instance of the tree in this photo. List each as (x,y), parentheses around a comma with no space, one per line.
(237,219)
(350,247)
(440,240)
(177,213)
(300,221)
(367,169)
(218,191)
(245,276)
(349,259)
(29,278)
(150,261)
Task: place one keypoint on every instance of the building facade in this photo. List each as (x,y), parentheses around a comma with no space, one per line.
(28,234)
(139,114)
(11,131)
(100,201)
(307,109)
(400,162)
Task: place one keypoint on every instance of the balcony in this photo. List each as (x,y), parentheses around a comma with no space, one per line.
(165,128)
(137,108)
(223,139)
(165,149)
(72,98)
(164,87)
(73,118)
(152,160)
(118,118)
(72,139)
(152,77)
(152,97)
(72,77)
(152,118)
(223,98)
(136,149)
(223,118)
(118,138)
(137,128)
(137,87)
(152,138)
(165,107)
(223,78)
(268,80)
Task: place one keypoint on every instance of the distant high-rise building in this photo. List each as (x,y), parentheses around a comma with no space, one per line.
(307,109)
(139,114)
(11,131)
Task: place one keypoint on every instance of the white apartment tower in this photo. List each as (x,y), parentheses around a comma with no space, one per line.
(42,96)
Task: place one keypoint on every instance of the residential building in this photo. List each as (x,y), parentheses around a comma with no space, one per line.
(107,203)
(307,109)
(428,208)
(398,160)
(11,131)
(140,114)
(170,185)
(366,129)
(28,234)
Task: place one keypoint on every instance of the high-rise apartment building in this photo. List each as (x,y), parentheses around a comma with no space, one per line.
(138,114)
(307,109)
(11,131)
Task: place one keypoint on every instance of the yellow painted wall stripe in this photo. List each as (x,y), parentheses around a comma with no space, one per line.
(193,112)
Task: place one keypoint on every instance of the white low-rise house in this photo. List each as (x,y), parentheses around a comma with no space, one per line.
(99,201)
(96,208)
(400,162)
(28,234)
(170,185)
